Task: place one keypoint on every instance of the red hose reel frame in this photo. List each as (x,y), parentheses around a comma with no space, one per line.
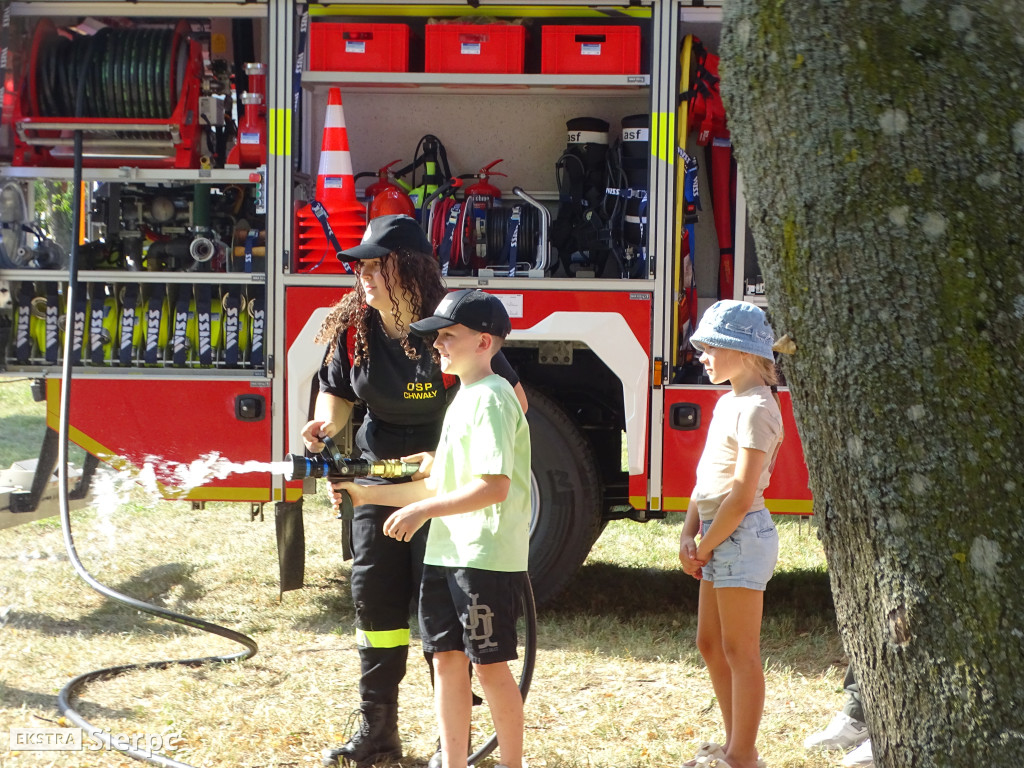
(36,137)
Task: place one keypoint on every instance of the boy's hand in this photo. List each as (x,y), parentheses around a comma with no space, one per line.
(404,522)
(425,459)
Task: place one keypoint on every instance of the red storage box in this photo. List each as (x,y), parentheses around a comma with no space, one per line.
(358,47)
(475,48)
(590,50)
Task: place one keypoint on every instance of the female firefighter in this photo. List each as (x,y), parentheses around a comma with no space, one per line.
(371,358)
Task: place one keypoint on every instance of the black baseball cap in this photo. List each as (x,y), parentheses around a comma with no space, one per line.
(386,234)
(470,307)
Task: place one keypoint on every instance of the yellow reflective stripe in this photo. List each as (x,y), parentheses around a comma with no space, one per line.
(280,132)
(775,506)
(388,638)
(663,133)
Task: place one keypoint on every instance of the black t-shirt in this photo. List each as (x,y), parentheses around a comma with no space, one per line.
(405,399)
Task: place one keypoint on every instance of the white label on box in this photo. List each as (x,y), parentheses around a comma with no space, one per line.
(590,49)
(469,49)
(355,46)
(249,137)
(513,303)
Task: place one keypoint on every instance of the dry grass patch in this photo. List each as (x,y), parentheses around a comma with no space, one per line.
(618,680)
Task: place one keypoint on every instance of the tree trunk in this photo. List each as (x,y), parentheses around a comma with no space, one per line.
(882,148)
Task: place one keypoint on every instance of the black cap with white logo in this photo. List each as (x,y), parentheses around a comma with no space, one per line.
(387,234)
(470,307)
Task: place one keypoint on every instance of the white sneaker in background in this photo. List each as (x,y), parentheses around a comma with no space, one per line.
(861,757)
(842,733)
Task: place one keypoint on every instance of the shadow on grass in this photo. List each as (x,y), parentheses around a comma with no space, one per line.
(169,585)
(332,600)
(651,614)
(604,589)
(20,699)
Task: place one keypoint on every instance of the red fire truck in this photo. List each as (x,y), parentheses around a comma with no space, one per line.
(203,279)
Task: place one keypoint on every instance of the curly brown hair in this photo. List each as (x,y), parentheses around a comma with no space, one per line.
(409,275)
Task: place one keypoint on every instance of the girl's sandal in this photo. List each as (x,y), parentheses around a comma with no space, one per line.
(705,752)
(711,755)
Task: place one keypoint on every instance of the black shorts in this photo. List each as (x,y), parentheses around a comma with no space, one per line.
(470,610)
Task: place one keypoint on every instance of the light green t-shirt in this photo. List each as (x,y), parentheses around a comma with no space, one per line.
(484,433)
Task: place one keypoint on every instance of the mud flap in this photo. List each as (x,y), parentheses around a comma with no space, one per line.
(291,543)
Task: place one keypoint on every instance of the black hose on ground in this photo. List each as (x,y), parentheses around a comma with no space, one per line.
(68,692)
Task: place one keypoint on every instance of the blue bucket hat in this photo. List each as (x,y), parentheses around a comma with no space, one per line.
(735,325)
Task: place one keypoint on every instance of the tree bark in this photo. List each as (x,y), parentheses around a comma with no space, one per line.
(882,148)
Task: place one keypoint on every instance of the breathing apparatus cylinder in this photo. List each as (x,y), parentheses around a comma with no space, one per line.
(431,156)
(579,230)
(634,161)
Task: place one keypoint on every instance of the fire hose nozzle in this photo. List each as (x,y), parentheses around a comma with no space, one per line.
(332,465)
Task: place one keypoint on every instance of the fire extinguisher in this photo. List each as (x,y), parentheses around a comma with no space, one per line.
(480,198)
(386,197)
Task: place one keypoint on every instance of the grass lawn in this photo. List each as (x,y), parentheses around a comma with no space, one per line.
(618,680)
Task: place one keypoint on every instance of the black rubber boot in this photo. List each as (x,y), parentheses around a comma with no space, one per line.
(376,741)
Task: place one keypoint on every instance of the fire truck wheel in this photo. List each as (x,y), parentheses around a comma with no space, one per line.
(566,505)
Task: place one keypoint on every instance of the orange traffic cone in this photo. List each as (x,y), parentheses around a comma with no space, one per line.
(335,185)
(336,192)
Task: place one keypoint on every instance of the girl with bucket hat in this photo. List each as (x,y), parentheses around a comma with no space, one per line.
(372,359)
(738,545)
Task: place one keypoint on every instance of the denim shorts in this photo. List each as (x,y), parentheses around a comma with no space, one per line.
(747,558)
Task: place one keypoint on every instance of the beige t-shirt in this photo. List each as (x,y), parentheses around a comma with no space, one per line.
(750,419)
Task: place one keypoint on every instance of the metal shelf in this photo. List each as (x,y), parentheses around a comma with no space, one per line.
(339,280)
(140,8)
(497,7)
(124,276)
(258,376)
(474,84)
(131,173)
(552,283)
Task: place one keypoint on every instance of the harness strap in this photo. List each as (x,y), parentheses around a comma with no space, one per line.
(154,321)
(448,249)
(79,322)
(204,324)
(513,234)
(230,309)
(258,313)
(22,336)
(320,213)
(253,235)
(179,343)
(129,317)
(98,306)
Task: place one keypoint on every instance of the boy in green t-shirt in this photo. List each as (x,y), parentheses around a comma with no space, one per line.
(478,496)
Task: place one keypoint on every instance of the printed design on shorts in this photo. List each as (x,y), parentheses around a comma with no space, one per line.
(480,624)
